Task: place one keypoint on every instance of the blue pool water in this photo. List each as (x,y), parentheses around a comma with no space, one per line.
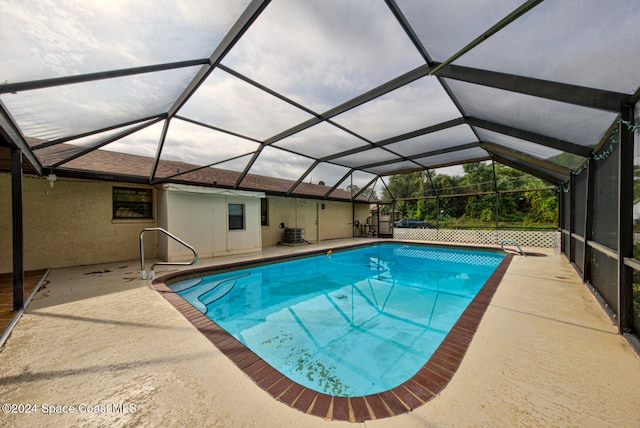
(349,323)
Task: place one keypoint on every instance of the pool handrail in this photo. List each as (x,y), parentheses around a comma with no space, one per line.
(143,272)
(514,243)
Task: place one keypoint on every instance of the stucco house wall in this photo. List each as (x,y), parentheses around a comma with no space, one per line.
(70,224)
(321,220)
(199,216)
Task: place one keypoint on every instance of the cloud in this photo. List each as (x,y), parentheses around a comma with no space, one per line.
(577,124)
(141,143)
(417,105)
(52,38)
(323,53)
(202,146)
(578,42)
(321,140)
(64,111)
(274,162)
(432,22)
(233,105)
(446,138)
(329,173)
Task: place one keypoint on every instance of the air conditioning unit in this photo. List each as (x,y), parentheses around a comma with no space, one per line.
(294,235)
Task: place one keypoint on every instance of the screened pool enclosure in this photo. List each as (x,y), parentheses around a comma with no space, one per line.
(330,98)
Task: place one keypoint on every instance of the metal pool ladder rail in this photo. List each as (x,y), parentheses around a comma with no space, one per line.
(514,243)
(143,272)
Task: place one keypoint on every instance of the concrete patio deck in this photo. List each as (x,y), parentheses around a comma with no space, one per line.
(101,340)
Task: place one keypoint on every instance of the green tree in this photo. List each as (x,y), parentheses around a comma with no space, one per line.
(410,185)
(543,206)
(368,193)
(531,207)
(478,177)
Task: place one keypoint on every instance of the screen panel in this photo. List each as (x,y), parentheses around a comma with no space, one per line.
(605,200)
(446,26)
(321,140)
(42,39)
(453,157)
(576,124)
(336,48)
(549,154)
(603,269)
(444,139)
(572,40)
(67,111)
(199,145)
(414,106)
(228,103)
(366,157)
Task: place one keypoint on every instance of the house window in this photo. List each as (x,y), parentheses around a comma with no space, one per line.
(236,216)
(264,212)
(132,203)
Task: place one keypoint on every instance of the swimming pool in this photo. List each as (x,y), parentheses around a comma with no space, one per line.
(350,323)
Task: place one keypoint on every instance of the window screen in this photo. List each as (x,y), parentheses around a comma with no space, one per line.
(580,198)
(603,269)
(605,201)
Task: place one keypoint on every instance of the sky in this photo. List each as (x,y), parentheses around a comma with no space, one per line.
(316,53)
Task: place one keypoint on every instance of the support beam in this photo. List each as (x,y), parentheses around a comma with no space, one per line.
(103,143)
(625,221)
(524,8)
(18,233)
(383,89)
(156,160)
(429,129)
(460,195)
(495,189)
(433,186)
(456,163)
(338,183)
(95,132)
(572,217)
(12,134)
(588,220)
(391,85)
(302,177)
(216,128)
(251,13)
(266,89)
(563,92)
(553,143)
(421,155)
(527,159)
(404,23)
(385,185)
(561,212)
(92,77)
(361,191)
(248,167)
(526,168)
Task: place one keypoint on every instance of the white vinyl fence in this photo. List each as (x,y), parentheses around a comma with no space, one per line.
(487,237)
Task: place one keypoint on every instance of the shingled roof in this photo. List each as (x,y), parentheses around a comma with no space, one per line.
(126,167)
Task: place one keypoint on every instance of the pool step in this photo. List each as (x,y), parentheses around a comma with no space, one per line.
(218,292)
(186,284)
(206,293)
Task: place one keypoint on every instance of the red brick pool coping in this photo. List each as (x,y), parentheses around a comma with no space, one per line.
(428,382)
